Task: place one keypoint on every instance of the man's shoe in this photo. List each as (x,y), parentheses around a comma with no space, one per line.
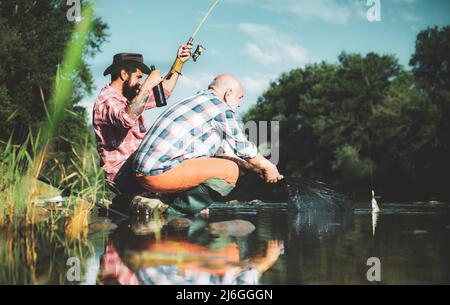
(146,206)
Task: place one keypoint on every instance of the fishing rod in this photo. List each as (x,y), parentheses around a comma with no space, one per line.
(199,50)
(178,64)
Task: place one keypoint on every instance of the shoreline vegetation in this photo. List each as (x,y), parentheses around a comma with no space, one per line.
(35,215)
(364,122)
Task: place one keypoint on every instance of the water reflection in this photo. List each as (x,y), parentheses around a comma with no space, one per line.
(35,255)
(183,251)
(319,223)
(273,245)
(375,217)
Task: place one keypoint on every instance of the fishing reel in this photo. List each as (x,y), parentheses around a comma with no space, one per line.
(198,50)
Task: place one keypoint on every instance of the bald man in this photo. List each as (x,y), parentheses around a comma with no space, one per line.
(179,152)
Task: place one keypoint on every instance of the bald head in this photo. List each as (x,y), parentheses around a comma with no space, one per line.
(224,82)
(228,88)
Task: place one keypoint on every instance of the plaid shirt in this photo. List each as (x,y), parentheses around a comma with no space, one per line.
(118,135)
(199,126)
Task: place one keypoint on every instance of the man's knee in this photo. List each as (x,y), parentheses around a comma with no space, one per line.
(232,172)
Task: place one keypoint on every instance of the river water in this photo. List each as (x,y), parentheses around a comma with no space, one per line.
(407,243)
(410,240)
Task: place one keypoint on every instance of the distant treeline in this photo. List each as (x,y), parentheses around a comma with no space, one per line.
(367,120)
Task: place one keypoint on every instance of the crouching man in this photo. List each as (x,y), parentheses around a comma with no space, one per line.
(178,154)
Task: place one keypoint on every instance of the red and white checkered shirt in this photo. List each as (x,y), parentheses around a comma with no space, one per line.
(118,135)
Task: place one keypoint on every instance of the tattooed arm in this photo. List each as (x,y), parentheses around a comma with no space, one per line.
(135,108)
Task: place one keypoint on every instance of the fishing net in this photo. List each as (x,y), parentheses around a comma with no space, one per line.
(309,195)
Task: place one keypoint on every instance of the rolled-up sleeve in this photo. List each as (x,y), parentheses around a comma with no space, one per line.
(233,135)
(117,115)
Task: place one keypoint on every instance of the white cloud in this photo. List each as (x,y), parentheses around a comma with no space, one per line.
(359,8)
(269,47)
(327,10)
(190,84)
(256,53)
(255,85)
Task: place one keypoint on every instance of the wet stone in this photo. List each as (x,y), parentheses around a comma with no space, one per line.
(180,223)
(235,228)
(251,202)
(145,225)
(146,206)
(102,226)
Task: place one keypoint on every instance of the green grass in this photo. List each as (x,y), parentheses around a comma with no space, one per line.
(30,252)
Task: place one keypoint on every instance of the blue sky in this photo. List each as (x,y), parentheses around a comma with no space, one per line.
(257,40)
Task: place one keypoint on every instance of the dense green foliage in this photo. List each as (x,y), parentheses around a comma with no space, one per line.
(367,118)
(34,35)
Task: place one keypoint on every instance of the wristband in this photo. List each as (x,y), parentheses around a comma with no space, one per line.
(177,66)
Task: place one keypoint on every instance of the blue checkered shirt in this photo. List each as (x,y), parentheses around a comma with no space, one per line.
(199,126)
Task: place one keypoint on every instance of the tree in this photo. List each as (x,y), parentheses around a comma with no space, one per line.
(33,37)
(345,122)
(431,68)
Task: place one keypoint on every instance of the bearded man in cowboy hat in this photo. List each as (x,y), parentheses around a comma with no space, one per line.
(118,122)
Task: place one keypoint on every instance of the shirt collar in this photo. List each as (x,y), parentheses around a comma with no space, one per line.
(116,94)
(211,93)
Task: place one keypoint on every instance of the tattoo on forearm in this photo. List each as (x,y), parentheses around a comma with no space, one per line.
(136,108)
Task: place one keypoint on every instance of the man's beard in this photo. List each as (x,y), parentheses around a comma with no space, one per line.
(130,92)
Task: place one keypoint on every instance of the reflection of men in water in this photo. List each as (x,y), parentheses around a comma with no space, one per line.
(175,260)
(178,153)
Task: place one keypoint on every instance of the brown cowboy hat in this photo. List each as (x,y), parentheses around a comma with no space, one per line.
(128,58)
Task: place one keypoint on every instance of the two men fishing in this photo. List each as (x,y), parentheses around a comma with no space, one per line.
(177,159)
(178,155)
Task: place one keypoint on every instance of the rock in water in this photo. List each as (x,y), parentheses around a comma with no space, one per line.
(180,223)
(147,225)
(146,206)
(235,228)
(101,226)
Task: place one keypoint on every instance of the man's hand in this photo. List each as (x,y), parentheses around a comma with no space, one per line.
(184,52)
(271,174)
(152,81)
(269,170)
